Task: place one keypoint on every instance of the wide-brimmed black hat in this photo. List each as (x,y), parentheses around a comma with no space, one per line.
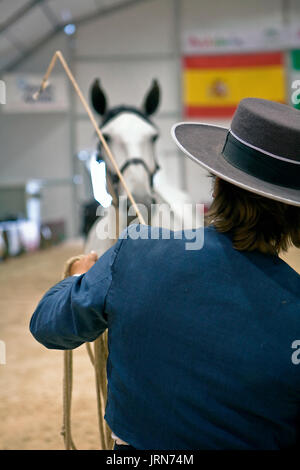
(260,152)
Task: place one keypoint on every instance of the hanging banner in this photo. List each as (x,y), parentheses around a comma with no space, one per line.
(214,84)
(20,89)
(258,40)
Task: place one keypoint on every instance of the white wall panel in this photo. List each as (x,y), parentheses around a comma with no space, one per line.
(173,161)
(126,50)
(37,147)
(235,15)
(9,8)
(293,15)
(198,182)
(144,28)
(30,27)
(86,138)
(212,16)
(52,208)
(128,82)
(8,51)
(167,153)
(39,61)
(68,9)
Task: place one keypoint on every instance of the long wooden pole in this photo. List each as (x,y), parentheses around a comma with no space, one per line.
(68,356)
(58,55)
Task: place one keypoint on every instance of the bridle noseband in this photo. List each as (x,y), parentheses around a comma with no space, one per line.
(133,161)
(113,177)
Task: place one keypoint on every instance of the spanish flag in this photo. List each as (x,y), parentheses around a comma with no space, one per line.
(214,85)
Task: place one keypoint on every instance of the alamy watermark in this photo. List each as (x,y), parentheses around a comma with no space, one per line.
(182,221)
(2,92)
(295,98)
(296,354)
(2,353)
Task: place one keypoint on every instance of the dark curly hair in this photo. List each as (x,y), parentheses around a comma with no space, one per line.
(255,222)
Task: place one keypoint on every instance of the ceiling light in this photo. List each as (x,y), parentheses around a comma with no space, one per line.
(70,29)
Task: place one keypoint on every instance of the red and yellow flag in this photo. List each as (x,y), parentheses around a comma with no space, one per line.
(213,85)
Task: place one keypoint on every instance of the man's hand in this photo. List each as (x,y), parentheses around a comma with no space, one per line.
(84,264)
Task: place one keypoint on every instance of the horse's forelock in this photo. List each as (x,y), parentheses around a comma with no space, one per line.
(117,110)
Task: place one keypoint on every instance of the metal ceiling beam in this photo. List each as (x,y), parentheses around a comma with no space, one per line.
(29,52)
(15,42)
(49,13)
(285,11)
(19,14)
(102,12)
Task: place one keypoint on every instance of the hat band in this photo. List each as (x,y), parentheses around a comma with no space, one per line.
(260,165)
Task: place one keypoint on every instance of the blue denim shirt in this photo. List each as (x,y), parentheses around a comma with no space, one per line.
(200,341)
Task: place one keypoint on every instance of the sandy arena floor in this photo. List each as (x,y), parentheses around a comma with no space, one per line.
(31,380)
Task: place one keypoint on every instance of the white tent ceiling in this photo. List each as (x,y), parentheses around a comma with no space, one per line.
(25,24)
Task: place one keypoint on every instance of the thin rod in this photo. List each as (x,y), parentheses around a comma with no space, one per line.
(59,55)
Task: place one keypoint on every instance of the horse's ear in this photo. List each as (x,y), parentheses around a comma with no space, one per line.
(152,99)
(98,98)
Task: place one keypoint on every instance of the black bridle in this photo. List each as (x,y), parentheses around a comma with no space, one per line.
(114,177)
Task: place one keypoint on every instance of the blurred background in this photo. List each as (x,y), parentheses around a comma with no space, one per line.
(206,56)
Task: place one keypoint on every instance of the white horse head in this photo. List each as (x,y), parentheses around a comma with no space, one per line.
(131,136)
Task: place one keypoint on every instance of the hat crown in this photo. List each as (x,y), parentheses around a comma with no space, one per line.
(270,126)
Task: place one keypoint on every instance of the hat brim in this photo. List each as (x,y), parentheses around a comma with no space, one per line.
(203,143)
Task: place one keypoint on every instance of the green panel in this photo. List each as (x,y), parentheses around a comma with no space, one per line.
(295,59)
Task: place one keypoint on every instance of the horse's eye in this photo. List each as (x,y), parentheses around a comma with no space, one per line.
(107,138)
(154,138)
(101,151)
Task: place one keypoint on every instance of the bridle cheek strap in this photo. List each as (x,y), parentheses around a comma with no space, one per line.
(133,161)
